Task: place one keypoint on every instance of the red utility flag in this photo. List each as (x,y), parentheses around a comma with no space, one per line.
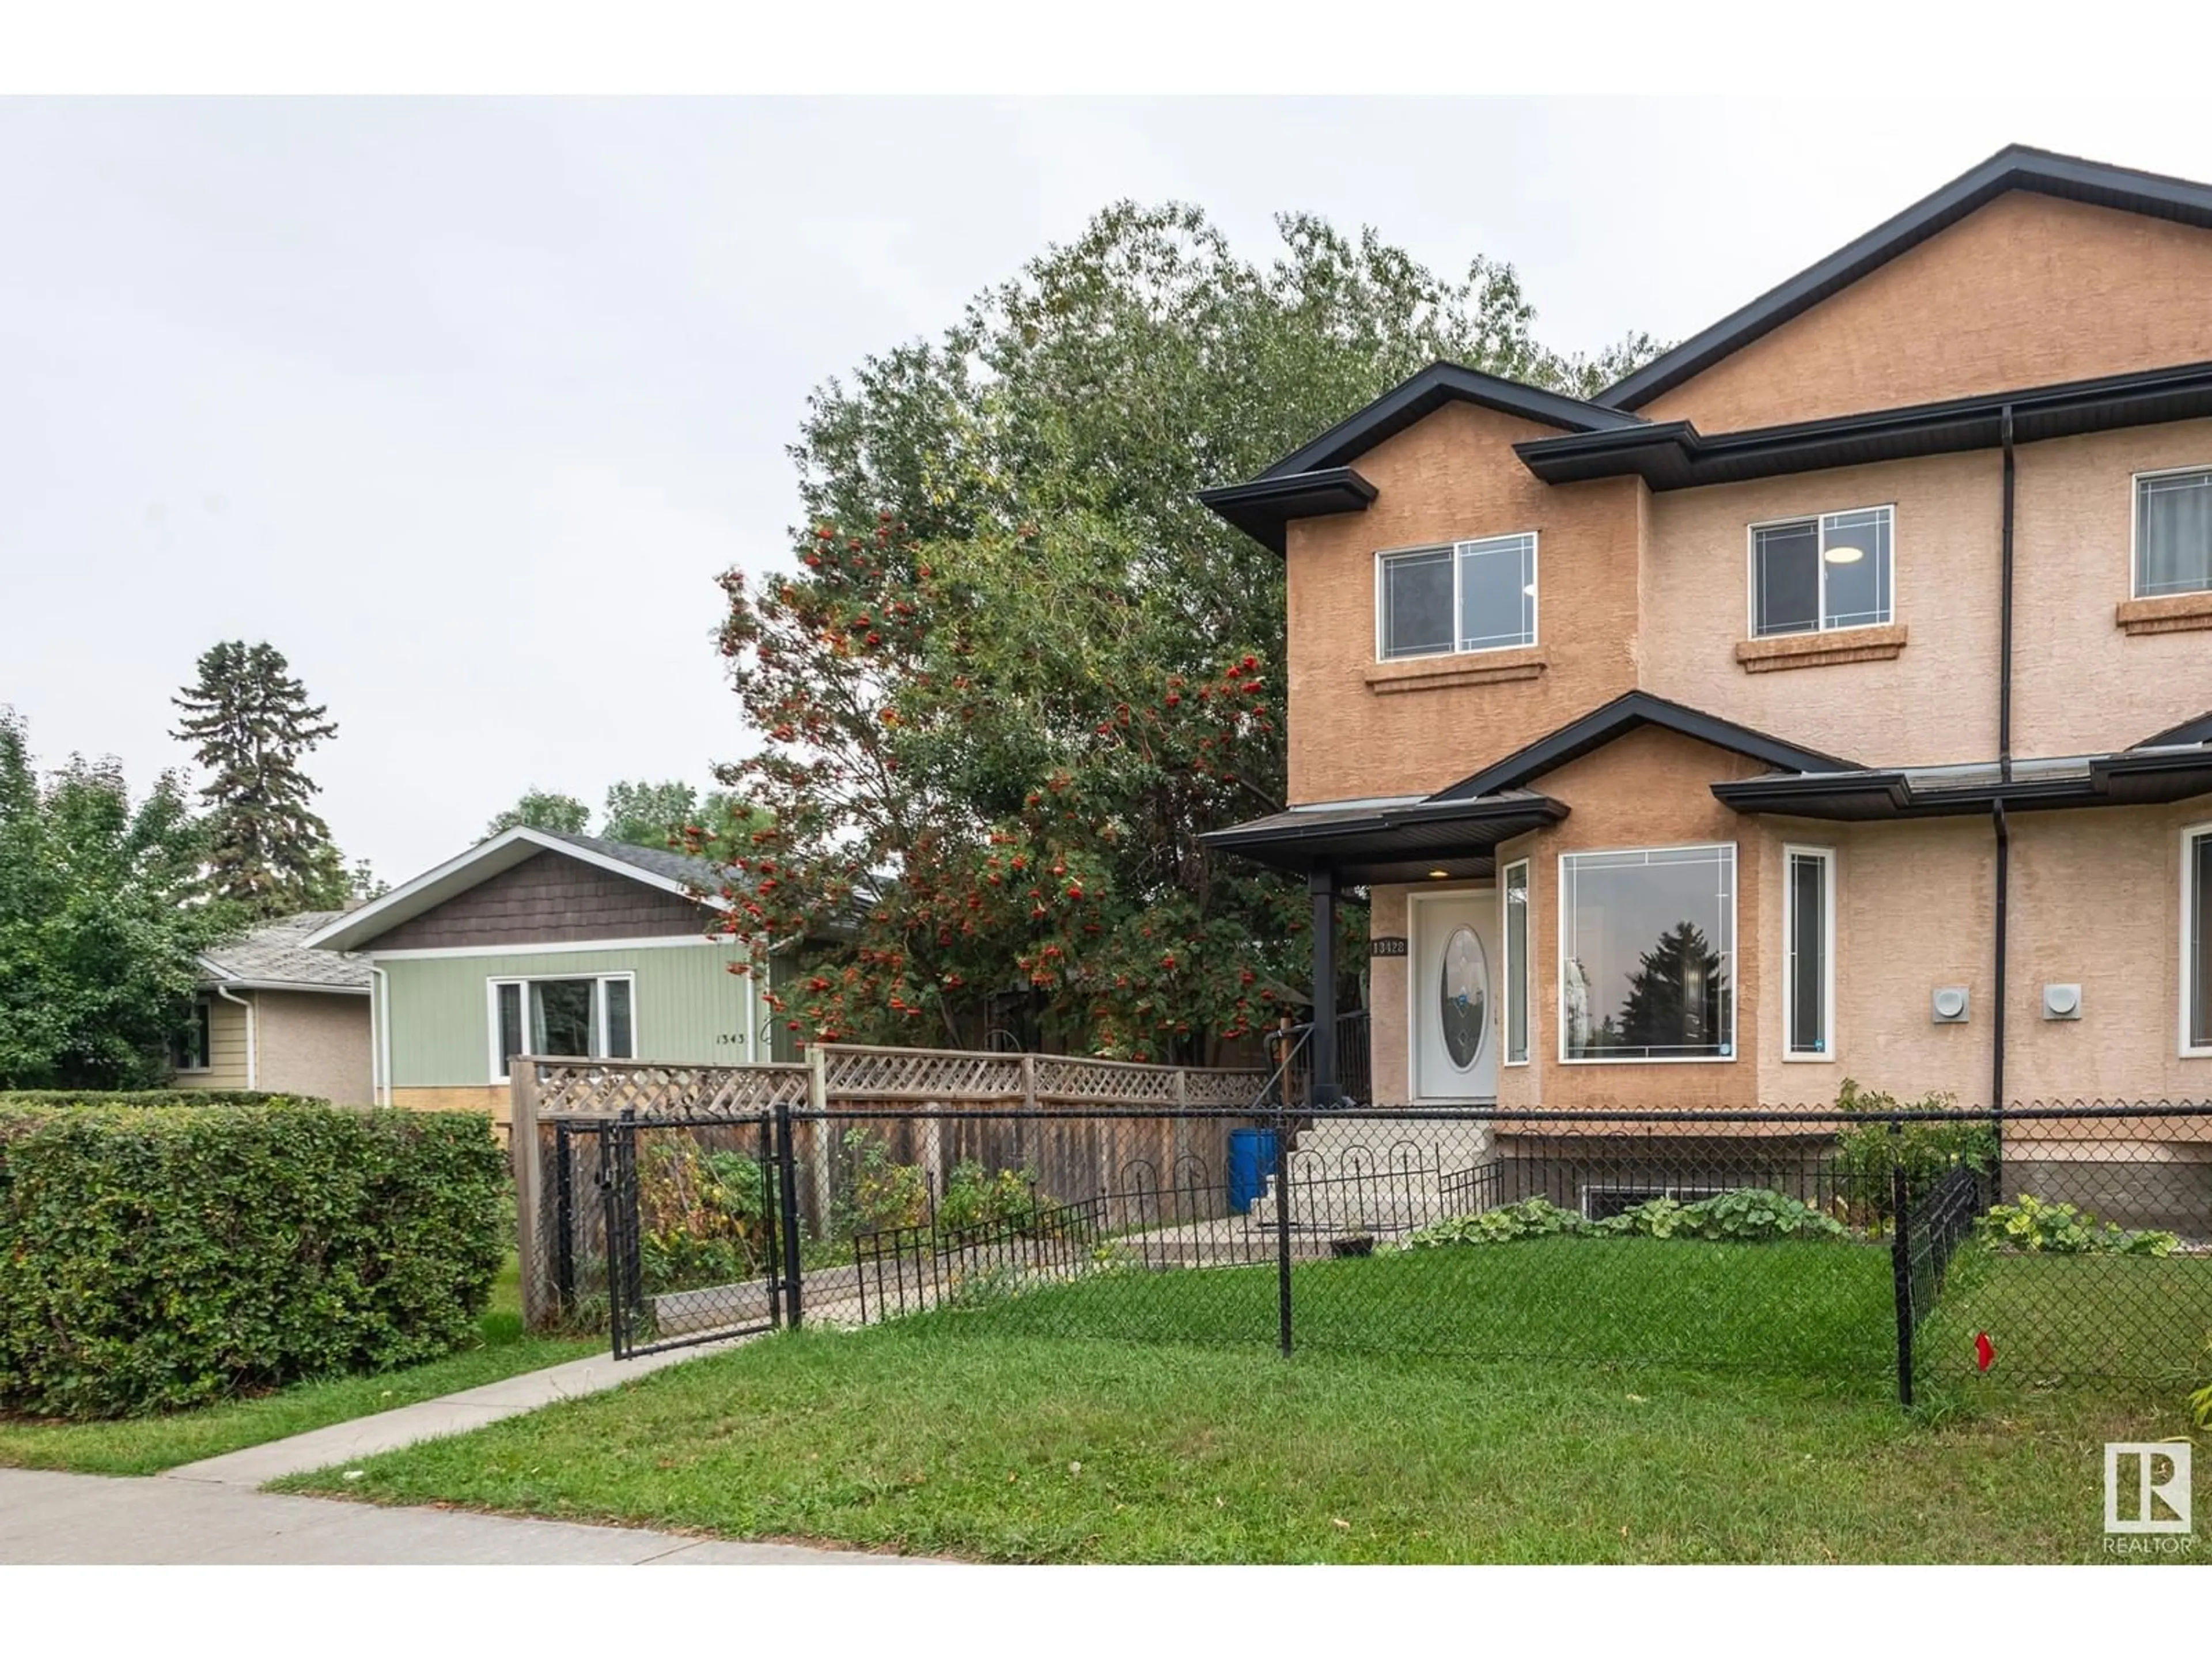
(1984,1351)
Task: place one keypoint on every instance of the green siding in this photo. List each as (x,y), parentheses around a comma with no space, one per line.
(686,1000)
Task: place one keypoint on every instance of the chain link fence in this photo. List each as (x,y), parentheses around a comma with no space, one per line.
(2043,1246)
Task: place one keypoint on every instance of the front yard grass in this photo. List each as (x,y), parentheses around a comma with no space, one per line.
(146,1445)
(994,1433)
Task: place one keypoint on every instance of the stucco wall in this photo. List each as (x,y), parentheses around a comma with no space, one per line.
(2028,290)
(1453,476)
(1651,788)
(2081,683)
(312,1043)
(2095,901)
(1935,701)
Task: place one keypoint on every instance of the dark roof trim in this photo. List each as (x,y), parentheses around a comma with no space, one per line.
(1624,715)
(2015,168)
(1402,841)
(2129,779)
(1261,508)
(2197,731)
(1431,390)
(1284,827)
(1675,455)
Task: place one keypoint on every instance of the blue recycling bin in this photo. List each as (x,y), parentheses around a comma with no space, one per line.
(1251,1161)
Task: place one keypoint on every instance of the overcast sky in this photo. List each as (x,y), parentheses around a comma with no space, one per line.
(463,405)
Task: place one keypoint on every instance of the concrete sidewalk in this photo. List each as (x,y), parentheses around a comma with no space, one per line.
(430,1420)
(92,1520)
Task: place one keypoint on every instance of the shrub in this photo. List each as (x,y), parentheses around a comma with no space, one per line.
(883,1193)
(702,1216)
(1868,1153)
(1748,1214)
(2037,1225)
(975,1198)
(1532,1218)
(164,1257)
(14,1097)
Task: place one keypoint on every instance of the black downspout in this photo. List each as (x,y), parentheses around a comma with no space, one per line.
(1997,811)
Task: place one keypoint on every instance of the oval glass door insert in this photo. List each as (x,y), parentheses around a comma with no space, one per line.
(1463,998)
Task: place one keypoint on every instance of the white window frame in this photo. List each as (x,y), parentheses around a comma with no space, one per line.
(1534,591)
(498,1060)
(1819,520)
(1736,952)
(2136,482)
(2190,834)
(1515,977)
(1827,857)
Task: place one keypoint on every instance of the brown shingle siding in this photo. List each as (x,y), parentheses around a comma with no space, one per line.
(549,899)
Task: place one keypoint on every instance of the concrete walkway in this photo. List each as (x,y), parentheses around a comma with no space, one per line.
(92,1520)
(431,1419)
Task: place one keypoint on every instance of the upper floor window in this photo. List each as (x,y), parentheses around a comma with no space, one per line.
(1471,596)
(1809,575)
(2174,532)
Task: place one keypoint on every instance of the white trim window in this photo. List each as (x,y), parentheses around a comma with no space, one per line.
(1647,954)
(1513,890)
(1809,952)
(190,1049)
(1816,576)
(2174,532)
(589,1016)
(1470,596)
(2197,939)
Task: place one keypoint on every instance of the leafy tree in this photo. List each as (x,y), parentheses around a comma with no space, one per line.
(250,725)
(1677,995)
(660,814)
(1020,671)
(101,927)
(541,809)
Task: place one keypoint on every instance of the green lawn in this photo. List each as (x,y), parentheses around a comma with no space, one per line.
(2067,1318)
(145,1445)
(1824,1309)
(994,1433)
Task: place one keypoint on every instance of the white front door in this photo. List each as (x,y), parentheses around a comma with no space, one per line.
(1453,996)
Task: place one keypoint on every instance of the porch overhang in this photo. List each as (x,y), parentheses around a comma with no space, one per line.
(2136,777)
(1368,843)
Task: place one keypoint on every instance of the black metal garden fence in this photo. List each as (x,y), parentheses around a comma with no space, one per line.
(2047,1244)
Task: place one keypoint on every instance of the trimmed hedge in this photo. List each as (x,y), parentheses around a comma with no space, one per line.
(12,1097)
(157,1258)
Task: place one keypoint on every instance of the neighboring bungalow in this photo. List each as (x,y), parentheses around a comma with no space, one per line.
(539,943)
(272,1014)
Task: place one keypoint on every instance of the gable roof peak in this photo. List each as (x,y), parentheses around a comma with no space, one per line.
(1627,713)
(2016,166)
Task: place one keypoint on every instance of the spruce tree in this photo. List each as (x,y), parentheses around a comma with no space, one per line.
(250,723)
(1675,995)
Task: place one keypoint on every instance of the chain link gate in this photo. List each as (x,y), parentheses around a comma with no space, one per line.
(701,1240)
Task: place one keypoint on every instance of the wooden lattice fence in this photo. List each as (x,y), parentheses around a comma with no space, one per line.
(1015,1112)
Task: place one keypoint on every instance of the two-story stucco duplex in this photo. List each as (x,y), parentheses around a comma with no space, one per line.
(1827,698)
